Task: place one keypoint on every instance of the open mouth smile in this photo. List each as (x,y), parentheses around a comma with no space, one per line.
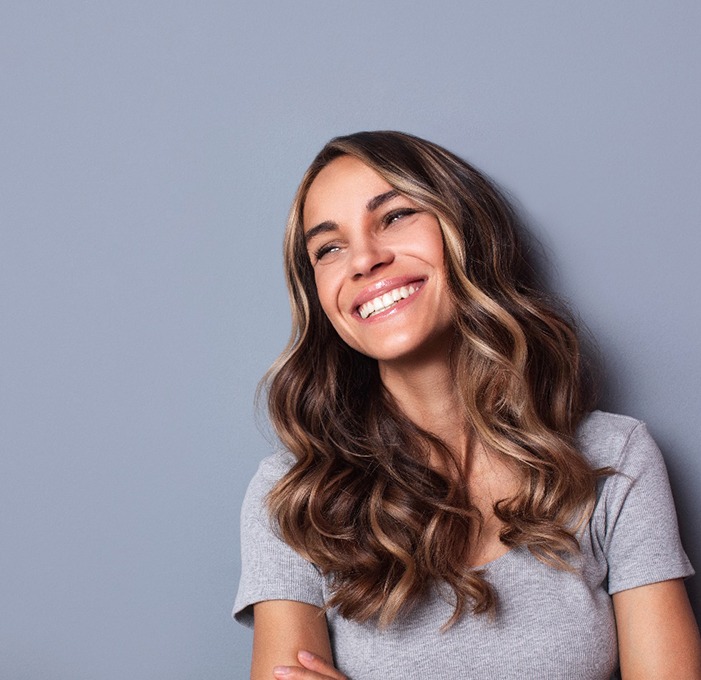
(387,300)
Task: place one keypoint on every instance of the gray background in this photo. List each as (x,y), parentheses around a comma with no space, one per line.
(149,153)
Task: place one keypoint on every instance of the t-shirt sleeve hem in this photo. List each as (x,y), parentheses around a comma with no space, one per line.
(670,572)
(243,609)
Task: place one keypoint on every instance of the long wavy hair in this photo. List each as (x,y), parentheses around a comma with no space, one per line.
(362,502)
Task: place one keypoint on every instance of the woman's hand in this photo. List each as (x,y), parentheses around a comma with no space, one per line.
(313,668)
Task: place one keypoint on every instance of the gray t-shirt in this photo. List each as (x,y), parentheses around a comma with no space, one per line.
(549,624)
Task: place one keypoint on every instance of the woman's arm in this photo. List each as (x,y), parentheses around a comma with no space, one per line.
(281,629)
(657,633)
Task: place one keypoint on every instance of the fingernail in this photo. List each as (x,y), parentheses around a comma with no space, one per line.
(307,656)
(281,670)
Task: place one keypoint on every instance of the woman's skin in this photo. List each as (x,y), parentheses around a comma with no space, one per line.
(282,628)
(364,240)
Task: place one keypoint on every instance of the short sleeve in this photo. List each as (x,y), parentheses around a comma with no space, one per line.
(270,569)
(641,543)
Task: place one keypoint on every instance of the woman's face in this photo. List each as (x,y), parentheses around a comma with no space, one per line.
(378,264)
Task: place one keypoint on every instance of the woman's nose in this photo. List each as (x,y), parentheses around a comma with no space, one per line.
(367,256)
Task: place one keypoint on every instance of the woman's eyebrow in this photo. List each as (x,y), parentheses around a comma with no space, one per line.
(321,228)
(373,204)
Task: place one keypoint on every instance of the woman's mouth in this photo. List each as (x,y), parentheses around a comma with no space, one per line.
(387,300)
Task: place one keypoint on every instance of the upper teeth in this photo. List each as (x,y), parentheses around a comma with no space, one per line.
(384,301)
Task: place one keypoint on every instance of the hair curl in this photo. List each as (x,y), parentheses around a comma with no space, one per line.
(361,502)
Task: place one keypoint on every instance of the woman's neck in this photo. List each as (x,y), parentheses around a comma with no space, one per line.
(428,395)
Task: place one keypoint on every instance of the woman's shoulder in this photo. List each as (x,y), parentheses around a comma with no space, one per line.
(270,470)
(275,465)
(612,440)
(637,547)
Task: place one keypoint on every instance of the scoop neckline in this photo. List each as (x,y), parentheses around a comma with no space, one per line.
(497,561)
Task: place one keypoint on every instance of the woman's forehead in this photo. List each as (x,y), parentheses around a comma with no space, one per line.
(343,188)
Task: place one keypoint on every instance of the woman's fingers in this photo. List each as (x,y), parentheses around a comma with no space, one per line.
(313,668)
(297,673)
(316,663)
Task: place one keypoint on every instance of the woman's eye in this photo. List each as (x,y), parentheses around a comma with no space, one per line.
(398,214)
(324,250)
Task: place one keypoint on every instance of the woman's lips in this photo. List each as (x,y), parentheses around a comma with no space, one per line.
(387,300)
(385,295)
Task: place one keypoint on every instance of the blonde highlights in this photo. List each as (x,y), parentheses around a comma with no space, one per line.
(362,502)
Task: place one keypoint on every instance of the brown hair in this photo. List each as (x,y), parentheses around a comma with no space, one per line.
(361,502)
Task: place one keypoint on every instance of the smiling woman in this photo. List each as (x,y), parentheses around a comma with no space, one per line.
(447,504)
(378,264)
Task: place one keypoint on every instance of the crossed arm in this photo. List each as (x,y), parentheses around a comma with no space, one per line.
(657,637)
(283,631)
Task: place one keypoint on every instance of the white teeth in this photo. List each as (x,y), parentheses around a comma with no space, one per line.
(385,300)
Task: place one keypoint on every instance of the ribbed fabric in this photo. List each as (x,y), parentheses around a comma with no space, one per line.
(550,625)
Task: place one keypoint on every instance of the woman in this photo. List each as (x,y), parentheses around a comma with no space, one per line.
(446,505)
